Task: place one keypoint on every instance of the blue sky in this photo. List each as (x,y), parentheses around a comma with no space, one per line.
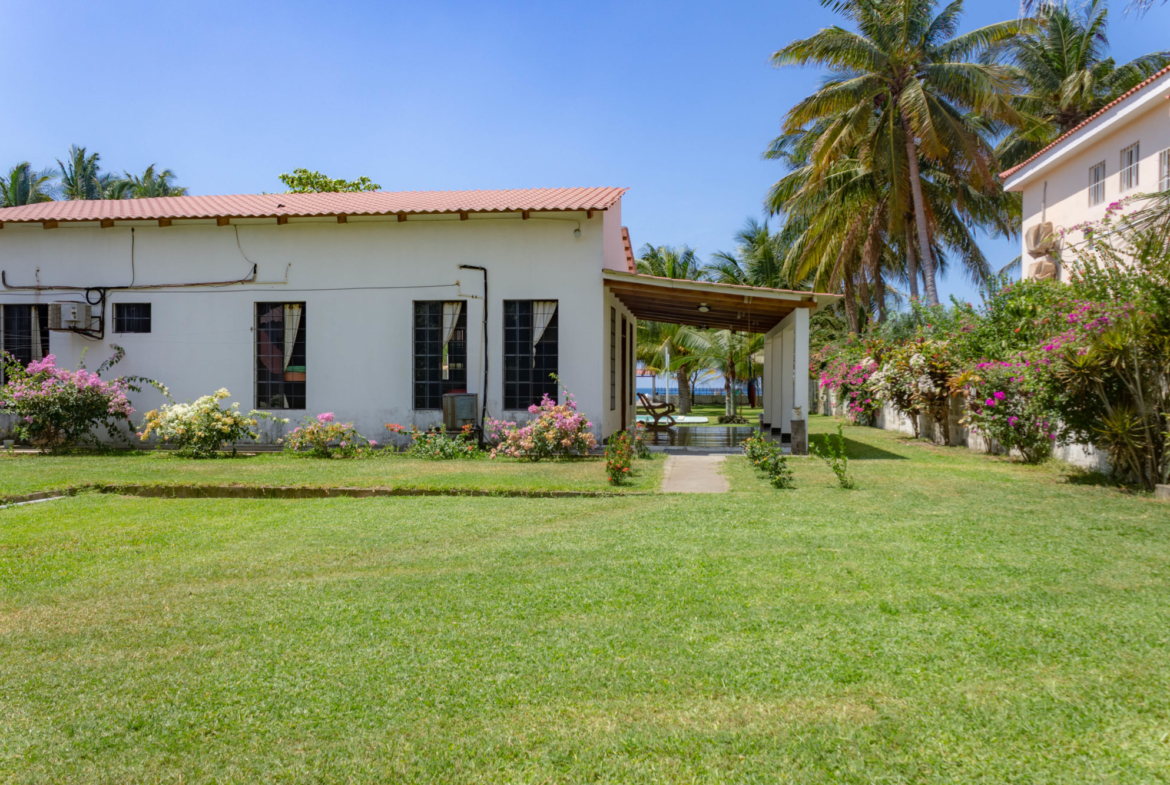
(675,100)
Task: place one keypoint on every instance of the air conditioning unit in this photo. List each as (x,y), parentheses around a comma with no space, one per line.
(1039,240)
(459,409)
(69,316)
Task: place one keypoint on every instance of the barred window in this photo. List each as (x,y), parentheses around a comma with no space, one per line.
(24,332)
(440,351)
(530,352)
(131,317)
(1130,158)
(280,355)
(1097,184)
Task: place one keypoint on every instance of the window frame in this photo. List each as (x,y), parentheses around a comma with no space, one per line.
(6,346)
(1164,170)
(445,385)
(521,349)
(1097,187)
(120,320)
(299,392)
(1128,176)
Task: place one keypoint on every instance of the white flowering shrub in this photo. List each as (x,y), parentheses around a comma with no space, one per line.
(202,428)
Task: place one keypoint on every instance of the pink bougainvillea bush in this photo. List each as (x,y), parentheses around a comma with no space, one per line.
(850,380)
(1011,402)
(323,437)
(55,408)
(556,430)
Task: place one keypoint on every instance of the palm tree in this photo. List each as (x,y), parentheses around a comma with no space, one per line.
(81,177)
(147,185)
(903,89)
(24,186)
(1064,75)
(727,353)
(758,259)
(667,261)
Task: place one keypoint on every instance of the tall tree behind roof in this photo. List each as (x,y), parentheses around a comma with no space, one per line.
(24,186)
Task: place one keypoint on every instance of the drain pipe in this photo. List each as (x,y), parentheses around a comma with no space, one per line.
(484,392)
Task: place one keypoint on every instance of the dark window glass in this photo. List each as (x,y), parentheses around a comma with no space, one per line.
(438,368)
(280,368)
(132,317)
(527,372)
(18,329)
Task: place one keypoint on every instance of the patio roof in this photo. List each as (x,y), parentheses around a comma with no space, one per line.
(728,306)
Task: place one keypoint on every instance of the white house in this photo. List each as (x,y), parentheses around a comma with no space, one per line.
(370,305)
(1121,151)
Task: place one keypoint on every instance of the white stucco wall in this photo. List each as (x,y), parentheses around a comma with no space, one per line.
(359,349)
(1056,186)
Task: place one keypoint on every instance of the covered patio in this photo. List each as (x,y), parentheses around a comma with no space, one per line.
(782,316)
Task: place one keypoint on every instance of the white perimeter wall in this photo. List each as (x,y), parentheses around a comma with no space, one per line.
(359,347)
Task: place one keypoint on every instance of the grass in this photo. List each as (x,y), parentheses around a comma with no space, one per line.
(958,618)
(26,473)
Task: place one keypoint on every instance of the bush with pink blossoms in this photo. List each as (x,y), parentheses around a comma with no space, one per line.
(55,408)
(323,437)
(556,430)
(1012,403)
(850,380)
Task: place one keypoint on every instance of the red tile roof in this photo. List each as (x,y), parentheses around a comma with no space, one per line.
(1136,88)
(326,204)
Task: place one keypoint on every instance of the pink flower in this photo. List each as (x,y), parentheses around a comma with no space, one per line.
(325,417)
(999,396)
(990,402)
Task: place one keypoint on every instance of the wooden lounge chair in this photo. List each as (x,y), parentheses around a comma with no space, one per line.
(658,411)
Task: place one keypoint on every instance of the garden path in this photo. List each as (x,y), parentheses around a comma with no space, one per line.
(694,474)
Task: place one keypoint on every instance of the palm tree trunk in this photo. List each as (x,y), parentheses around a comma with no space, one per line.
(911,263)
(850,301)
(731,372)
(684,392)
(920,216)
(879,293)
(866,301)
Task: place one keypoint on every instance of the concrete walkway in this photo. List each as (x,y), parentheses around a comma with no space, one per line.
(694,474)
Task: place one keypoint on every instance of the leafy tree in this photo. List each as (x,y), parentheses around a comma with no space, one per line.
(24,186)
(1064,75)
(82,178)
(905,89)
(758,259)
(670,262)
(302,181)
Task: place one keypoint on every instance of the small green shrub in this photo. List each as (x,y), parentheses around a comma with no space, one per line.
(437,445)
(619,454)
(769,457)
(833,453)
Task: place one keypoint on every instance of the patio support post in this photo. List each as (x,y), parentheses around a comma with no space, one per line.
(788,349)
(800,334)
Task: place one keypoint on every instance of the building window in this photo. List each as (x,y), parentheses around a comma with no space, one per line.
(24,332)
(1097,184)
(612,358)
(1129,166)
(280,355)
(1164,170)
(132,317)
(440,351)
(530,352)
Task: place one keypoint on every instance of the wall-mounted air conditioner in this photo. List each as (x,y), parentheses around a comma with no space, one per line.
(1040,241)
(69,316)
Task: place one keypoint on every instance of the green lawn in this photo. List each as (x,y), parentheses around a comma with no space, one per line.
(26,472)
(958,618)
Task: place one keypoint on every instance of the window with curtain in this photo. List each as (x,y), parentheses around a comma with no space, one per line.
(280,356)
(131,317)
(1096,184)
(24,332)
(440,351)
(1130,166)
(530,352)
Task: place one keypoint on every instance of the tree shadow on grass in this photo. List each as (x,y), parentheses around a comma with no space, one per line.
(857,451)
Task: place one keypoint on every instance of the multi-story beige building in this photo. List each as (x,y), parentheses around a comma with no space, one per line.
(1121,151)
